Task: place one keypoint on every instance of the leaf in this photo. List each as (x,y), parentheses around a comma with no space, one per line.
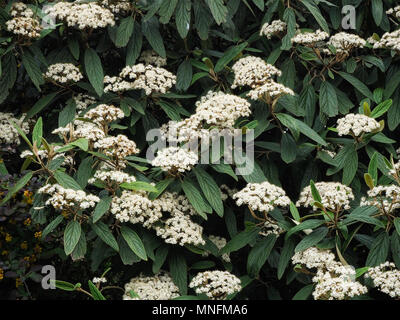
(207,264)
(229,55)
(67,114)
(259,254)
(285,256)
(124,31)
(218,10)
(240,240)
(259,4)
(314,10)
(160,186)
(32,68)
(134,46)
(80,249)
(37,133)
(328,99)
(182,17)
(18,186)
(373,168)
(312,239)
(134,242)
(40,105)
(361,87)
(52,225)
(304,292)
(138,185)
(66,181)
(101,208)
(84,172)
(72,234)
(160,257)
(379,250)
(381,109)
(224,168)
(96,294)
(350,169)
(184,76)
(94,70)
(377,11)
(210,189)
(64,285)
(288,148)
(153,36)
(128,257)
(166,10)
(178,270)
(105,234)
(195,198)
(397,225)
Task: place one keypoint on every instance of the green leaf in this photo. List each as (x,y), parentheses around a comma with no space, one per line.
(151,31)
(184,76)
(160,257)
(124,31)
(64,285)
(328,100)
(138,185)
(350,169)
(128,257)
(210,189)
(199,265)
(66,181)
(178,270)
(40,105)
(105,234)
(73,45)
(134,242)
(218,10)
(377,11)
(314,10)
(67,114)
(285,256)
(397,225)
(84,172)
(72,234)
(373,168)
(259,254)
(160,186)
(229,55)
(240,240)
(312,239)
(80,249)
(308,224)
(37,133)
(259,4)
(166,10)
(379,250)
(225,168)
(18,186)
(134,46)
(96,294)
(361,87)
(195,198)
(101,208)
(52,225)
(32,68)
(304,292)
(94,70)
(288,148)
(381,109)
(182,17)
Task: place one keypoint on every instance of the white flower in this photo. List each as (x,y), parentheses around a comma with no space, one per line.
(334,196)
(386,278)
(82,101)
(118,6)
(356,124)
(263,197)
(8,134)
(63,73)
(219,242)
(23,22)
(386,198)
(389,40)
(110,176)
(345,42)
(104,114)
(118,147)
(151,57)
(274,28)
(217,285)
(117,84)
(309,38)
(270,90)
(175,159)
(99,280)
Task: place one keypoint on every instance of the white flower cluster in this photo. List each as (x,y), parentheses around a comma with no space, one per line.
(227,192)
(253,72)
(386,198)
(344,42)
(171,201)
(135,207)
(263,197)
(270,89)
(99,280)
(157,287)
(104,114)
(175,159)
(62,198)
(386,278)
(270,227)
(151,57)
(217,285)
(356,124)
(118,147)
(81,15)
(219,242)
(83,101)
(276,27)
(63,73)
(23,22)
(117,84)
(118,6)
(111,176)
(389,40)
(180,229)
(215,109)
(310,38)
(334,196)
(8,134)
(149,78)
(334,281)
(394,11)
(87,130)
(44,154)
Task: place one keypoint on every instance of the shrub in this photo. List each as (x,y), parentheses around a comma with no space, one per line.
(304,216)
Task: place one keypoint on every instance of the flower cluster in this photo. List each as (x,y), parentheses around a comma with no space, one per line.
(63,73)
(217,285)
(334,196)
(276,27)
(219,242)
(83,101)
(117,6)
(175,159)
(63,199)
(334,281)
(310,38)
(104,114)
(116,84)
(157,287)
(389,40)
(23,22)
(81,15)
(117,147)
(111,176)
(263,197)
(386,278)
(356,124)
(99,280)
(394,11)
(386,198)
(8,134)
(151,57)
(43,154)
(345,42)
(270,227)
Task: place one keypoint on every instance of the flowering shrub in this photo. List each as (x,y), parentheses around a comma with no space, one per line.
(115,106)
